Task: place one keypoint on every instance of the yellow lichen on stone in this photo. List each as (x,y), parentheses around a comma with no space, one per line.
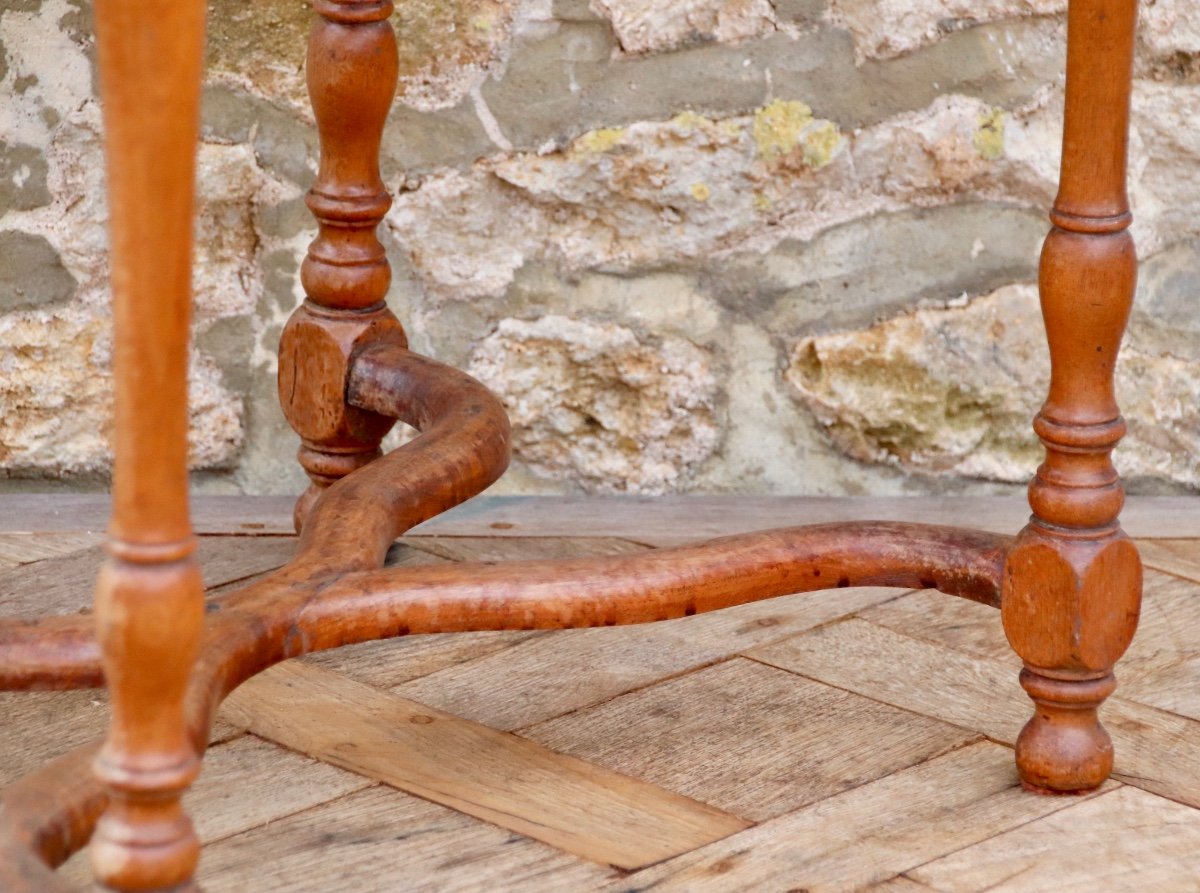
(602,140)
(989,138)
(688,121)
(779,127)
(701,192)
(260,44)
(820,144)
(762,202)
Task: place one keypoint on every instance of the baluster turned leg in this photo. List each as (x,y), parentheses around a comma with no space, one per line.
(352,71)
(1073,580)
(149,598)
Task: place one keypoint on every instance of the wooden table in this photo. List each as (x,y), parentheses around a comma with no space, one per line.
(1068,584)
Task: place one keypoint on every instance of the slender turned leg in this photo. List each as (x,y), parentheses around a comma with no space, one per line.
(149,598)
(352,70)
(1073,580)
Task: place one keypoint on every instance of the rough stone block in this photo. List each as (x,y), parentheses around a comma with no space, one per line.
(601,406)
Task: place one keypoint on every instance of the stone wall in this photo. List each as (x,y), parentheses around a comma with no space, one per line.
(758,246)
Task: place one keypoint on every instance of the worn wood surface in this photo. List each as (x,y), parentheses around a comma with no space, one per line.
(752,739)
(844,731)
(33,590)
(1157,750)
(1068,586)
(1180,557)
(247,783)
(864,835)
(659,520)
(900,884)
(508,689)
(674,519)
(575,806)
(381,841)
(1060,852)
(23,548)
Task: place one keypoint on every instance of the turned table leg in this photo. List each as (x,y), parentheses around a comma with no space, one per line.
(149,598)
(1073,580)
(352,71)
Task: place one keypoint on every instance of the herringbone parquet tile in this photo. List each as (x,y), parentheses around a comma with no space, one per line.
(851,740)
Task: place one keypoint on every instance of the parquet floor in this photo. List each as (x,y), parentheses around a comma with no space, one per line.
(858,739)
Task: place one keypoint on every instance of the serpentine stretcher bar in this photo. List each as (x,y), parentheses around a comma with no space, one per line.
(334,592)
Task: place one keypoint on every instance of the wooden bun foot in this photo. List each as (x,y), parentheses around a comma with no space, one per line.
(1064,749)
(128,853)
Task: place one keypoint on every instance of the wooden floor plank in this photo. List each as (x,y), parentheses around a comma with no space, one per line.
(1178,557)
(655,519)
(514,783)
(393,662)
(491,548)
(786,749)
(1174,687)
(954,622)
(1155,750)
(247,783)
(383,841)
(61,512)
(749,739)
(1161,668)
(65,585)
(23,548)
(901,884)
(863,836)
(1162,665)
(1126,841)
(38,726)
(523,685)
(636,517)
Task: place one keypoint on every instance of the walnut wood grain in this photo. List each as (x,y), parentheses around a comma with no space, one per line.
(149,597)
(1073,579)
(352,70)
